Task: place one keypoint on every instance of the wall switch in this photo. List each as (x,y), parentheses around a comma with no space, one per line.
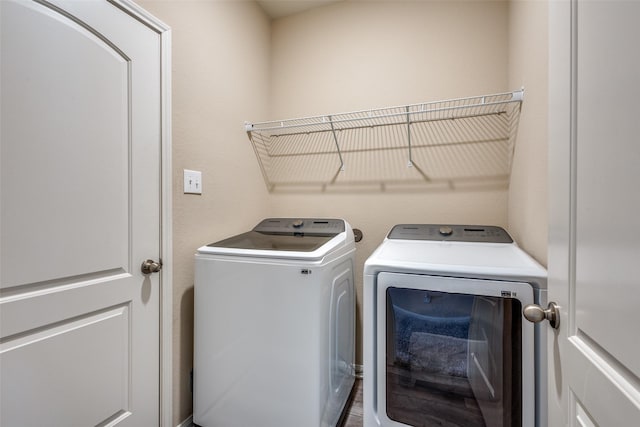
(192,182)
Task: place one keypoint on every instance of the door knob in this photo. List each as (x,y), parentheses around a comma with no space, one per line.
(150,266)
(534,313)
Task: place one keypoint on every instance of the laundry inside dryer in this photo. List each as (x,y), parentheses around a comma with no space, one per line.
(455,353)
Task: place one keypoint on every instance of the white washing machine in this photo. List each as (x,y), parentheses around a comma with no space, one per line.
(445,339)
(275,325)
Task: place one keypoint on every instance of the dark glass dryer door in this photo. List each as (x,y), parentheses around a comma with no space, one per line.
(454,352)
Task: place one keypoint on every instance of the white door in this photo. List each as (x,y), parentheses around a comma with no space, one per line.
(80,198)
(594,248)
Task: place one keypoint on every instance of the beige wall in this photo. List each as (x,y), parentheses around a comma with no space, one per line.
(220,79)
(528,59)
(358,55)
(365,54)
(230,64)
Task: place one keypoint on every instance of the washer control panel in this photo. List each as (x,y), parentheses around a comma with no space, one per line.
(452,233)
(301,226)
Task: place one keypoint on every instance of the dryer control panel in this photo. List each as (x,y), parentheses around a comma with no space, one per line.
(452,233)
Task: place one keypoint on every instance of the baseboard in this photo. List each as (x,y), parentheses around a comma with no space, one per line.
(187,423)
(358,371)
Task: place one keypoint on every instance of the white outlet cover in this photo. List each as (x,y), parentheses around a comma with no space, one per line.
(192,182)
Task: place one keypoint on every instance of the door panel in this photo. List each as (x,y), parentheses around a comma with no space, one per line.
(95,371)
(607,199)
(594,232)
(80,194)
(66,182)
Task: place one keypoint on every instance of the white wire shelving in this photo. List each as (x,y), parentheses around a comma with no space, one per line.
(441,144)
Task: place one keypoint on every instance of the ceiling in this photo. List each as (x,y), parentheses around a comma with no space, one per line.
(281,8)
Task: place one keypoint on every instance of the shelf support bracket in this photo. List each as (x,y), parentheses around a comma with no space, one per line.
(335,139)
(410,163)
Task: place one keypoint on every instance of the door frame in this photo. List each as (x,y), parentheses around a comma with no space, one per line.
(166,236)
(562,158)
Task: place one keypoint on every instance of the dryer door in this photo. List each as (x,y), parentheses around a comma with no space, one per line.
(454,351)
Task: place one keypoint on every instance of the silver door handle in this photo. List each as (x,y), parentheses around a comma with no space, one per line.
(534,313)
(150,266)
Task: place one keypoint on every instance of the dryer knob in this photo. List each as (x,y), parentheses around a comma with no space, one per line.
(446,231)
(298,223)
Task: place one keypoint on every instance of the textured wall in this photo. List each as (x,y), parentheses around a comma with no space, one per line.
(220,79)
(528,64)
(360,55)
(231,64)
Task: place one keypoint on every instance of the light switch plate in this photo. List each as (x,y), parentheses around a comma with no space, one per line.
(192,182)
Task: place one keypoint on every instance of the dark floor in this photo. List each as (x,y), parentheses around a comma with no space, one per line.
(354,413)
(447,409)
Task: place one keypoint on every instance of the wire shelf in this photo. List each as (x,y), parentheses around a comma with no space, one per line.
(442,144)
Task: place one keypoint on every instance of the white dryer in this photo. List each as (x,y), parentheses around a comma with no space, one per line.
(275,325)
(445,339)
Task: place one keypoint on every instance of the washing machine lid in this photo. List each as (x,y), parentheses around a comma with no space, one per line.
(306,238)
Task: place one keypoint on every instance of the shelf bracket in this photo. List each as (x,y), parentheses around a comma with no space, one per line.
(335,139)
(410,164)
